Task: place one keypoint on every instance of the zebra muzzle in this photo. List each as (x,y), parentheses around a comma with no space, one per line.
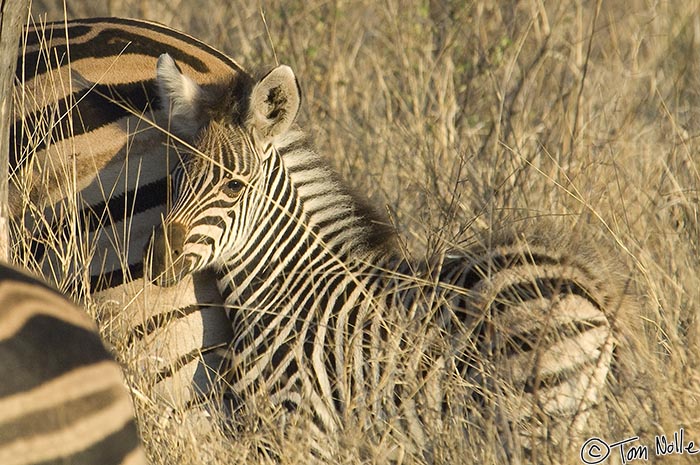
(168,265)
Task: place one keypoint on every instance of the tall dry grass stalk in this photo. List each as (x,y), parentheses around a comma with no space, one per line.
(467,118)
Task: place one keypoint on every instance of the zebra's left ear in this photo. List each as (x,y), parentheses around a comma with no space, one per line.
(180,96)
(274,103)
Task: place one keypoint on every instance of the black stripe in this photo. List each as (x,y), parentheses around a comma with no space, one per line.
(329,237)
(177,365)
(158,29)
(299,144)
(111,41)
(108,43)
(266,319)
(278,356)
(126,205)
(111,450)
(547,288)
(529,340)
(7,273)
(202,239)
(95,109)
(515,295)
(294,236)
(479,270)
(159,321)
(327,286)
(540,382)
(35,36)
(258,252)
(62,416)
(46,348)
(209,220)
(101,215)
(114,278)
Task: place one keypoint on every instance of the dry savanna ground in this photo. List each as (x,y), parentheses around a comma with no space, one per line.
(464,117)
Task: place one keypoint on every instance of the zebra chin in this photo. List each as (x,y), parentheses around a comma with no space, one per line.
(165,263)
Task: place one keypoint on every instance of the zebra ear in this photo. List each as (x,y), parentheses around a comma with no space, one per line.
(180,96)
(274,103)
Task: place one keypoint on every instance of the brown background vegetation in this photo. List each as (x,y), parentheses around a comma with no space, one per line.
(459,117)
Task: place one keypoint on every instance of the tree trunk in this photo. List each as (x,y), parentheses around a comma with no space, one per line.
(12,15)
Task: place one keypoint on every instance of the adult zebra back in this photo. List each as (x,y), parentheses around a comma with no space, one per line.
(62,399)
(334,326)
(89,181)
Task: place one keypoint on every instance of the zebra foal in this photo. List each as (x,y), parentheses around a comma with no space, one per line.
(90,162)
(329,323)
(62,399)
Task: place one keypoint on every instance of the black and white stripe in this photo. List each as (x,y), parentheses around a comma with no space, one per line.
(89,182)
(329,322)
(62,399)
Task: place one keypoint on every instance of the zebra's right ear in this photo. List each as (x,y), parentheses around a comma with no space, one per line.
(180,96)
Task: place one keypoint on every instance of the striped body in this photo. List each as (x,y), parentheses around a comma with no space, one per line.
(62,399)
(89,182)
(329,324)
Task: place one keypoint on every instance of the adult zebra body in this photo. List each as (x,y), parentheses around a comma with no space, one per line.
(89,182)
(62,398)
(330,324)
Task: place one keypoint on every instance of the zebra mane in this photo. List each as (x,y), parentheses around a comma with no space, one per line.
(374,233)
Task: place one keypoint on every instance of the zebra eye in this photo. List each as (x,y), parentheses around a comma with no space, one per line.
(234,186)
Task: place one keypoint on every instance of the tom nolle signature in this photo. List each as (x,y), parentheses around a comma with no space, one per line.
(596,450)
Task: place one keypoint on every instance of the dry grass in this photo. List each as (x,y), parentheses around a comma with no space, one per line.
(464,117)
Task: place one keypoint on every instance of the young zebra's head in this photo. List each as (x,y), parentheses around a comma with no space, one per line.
(216,187)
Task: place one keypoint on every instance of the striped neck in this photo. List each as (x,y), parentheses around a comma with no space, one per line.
(306,223)
(313,265)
